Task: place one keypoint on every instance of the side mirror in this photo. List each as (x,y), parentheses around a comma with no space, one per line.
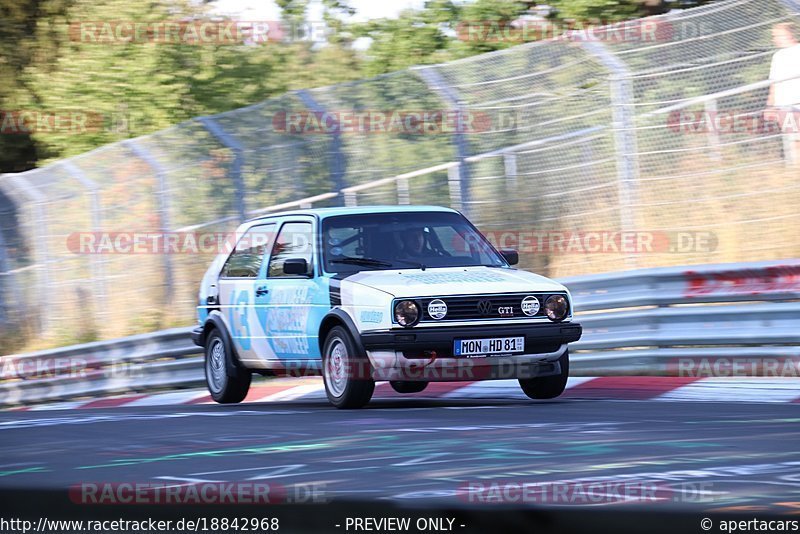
(295,267)
(511,256)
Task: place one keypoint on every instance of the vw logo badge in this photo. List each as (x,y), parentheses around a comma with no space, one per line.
(485,307)
(437,309)
(530,306)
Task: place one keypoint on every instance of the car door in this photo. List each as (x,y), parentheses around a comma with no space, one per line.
(296,302)
(242,280)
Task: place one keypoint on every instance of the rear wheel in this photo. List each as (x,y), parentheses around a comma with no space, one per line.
(347,373)
(224,389)
(547,387)
(408,387)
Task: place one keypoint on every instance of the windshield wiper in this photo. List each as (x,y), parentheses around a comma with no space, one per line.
(372,262)
(416,264)
(369,262)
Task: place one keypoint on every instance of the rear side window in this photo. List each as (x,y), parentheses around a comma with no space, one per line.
(294,242)
(246,260)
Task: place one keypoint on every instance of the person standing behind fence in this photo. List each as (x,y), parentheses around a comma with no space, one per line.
(784,96)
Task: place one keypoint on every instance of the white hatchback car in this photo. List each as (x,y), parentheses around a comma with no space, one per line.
(409,295)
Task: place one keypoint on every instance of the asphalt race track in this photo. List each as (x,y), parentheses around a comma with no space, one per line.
(702,456)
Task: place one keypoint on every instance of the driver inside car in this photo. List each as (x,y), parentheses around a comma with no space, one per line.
(414,242)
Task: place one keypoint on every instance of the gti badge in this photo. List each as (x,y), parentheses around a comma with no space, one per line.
(530,306)
(437,309)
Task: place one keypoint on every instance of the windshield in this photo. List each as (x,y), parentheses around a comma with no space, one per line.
(417,240)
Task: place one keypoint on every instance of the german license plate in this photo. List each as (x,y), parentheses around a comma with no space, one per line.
(488,347)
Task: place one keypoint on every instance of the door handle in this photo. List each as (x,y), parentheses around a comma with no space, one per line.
(262,291)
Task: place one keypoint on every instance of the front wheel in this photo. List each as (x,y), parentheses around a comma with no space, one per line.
(347,373)
(224,389)
(547,387)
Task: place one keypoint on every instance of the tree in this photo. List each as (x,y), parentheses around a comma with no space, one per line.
(18,47)
(135,88)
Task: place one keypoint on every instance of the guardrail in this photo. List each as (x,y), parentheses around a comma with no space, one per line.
(646,321)
(146,362)
(636,322)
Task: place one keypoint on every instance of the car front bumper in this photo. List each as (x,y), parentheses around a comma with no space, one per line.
(426,354)
(539,338)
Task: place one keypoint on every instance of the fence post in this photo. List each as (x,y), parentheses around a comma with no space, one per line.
(624,126)
(5,288)
(403,194)
(98,275)
(236,147)
(338,164)
(510,164)
(437,84)
(350,198)
(162,195)
(713,135)
(454,186)
(41,251)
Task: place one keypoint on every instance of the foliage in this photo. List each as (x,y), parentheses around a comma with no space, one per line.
(139,88)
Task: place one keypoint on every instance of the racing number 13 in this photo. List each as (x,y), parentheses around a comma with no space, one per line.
(239,321)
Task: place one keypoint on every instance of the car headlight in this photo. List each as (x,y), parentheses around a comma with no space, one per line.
(406,313)
(556,307)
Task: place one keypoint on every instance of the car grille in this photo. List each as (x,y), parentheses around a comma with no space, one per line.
(484,307)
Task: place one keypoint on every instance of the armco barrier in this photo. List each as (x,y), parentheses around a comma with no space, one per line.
(635,323)
(147,362)
(643,322)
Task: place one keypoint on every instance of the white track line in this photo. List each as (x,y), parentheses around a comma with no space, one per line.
(164,399)
(308,391)
(735,389)
(499,389)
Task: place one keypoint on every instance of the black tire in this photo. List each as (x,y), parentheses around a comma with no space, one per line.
(346,372)
(224,389)
(409,387)
(547,387)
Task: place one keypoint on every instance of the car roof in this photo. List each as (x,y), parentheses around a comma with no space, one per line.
(323,213)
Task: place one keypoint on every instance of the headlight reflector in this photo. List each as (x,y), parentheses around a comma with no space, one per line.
(556,307)
(406,313)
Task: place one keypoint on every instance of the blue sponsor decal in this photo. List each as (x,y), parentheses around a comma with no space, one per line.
(294,311)
(461,278)
(371,317)
(238,320)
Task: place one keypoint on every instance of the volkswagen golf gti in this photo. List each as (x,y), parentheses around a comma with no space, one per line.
(405,294)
